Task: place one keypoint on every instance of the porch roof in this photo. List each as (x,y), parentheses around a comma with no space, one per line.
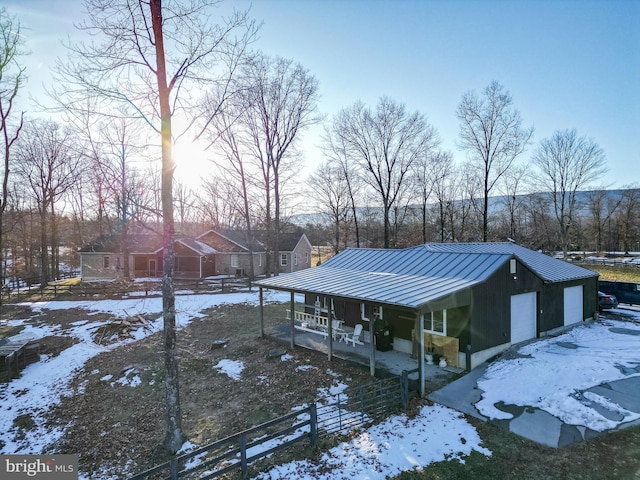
(408,278)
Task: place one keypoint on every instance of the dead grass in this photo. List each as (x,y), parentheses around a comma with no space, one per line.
(616,273)
(121,427)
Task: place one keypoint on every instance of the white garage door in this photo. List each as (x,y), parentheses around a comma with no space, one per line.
(523,317)
(573,305)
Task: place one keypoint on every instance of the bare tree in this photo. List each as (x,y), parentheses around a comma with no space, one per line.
(152,61)
(567,163)
(512,184)
(386,143)
(492,134)
(442,180)
(47,163)
(602,205)
(12,79)
(331,191)
(628,219)
(278,101)
(335,150)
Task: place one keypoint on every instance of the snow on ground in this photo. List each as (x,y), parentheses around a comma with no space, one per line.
(398,444)
(553,373)
(547,376)
(43,383)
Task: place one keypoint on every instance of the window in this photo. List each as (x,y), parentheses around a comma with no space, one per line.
(259,259)
(106,262)
(283,260)
(436,322)
(306,258)
(295,259)
(235,261)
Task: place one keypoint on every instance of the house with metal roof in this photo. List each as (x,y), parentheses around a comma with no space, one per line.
(471,301)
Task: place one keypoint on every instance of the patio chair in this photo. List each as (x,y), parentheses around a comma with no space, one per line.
(354,338)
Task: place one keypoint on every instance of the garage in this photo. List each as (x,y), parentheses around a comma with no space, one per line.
(523,317)
(573,305)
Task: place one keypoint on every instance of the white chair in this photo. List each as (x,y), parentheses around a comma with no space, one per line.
(354,338)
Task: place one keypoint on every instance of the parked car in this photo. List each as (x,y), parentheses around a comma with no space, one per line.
(606,301)
(625,292)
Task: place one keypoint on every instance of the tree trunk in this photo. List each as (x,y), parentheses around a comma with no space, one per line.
(174,437)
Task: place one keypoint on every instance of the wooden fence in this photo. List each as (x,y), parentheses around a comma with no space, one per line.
(149,289)
(339,414)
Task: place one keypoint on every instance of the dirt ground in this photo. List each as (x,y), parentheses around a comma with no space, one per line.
(121,427)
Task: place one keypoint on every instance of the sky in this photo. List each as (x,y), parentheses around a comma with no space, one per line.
(567,63)
(555,377)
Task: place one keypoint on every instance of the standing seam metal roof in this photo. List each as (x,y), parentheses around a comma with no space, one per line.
(410,277)
(413,277)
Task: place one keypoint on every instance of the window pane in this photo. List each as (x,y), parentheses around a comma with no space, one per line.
(438,322)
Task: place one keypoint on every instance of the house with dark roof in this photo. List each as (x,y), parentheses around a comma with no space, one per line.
(470,301)
(215,252)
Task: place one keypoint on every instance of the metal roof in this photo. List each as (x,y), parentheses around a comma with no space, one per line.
(409,277)
(413,277)
(549,269)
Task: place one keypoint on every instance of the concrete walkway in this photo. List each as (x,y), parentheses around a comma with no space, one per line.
(536,424)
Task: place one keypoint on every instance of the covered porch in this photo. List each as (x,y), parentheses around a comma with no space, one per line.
(309,325)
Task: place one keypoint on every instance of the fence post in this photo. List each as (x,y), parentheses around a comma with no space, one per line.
(404,388)
(313,425)
(173,466)
(243,454)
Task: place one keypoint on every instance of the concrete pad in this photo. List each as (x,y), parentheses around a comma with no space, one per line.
(539,426)
(626,401)
(462,394)
(630,386)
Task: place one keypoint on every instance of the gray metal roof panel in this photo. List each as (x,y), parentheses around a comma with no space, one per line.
(409,277)
(547,268)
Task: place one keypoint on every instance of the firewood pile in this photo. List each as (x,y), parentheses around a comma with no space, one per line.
(121,328)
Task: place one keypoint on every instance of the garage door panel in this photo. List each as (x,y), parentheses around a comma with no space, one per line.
(523,317)
(573,305)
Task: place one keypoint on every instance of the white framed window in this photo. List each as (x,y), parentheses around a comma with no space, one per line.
(106,261)
(436,322)
(235,261)
(295,259)
(259,259)
(306,258)
(283,260)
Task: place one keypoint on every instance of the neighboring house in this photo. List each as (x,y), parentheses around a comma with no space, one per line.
(233,252)
(104,259)
(295,252)
(213,253)
(474,300)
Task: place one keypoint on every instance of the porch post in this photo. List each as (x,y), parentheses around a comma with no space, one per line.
(421,352)
(293,323)
(261,313)
(372,352)
(330,329)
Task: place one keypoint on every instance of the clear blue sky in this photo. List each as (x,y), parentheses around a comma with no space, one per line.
(567,64)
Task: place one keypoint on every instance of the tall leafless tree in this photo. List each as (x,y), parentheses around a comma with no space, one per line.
(152,60)
(277,102)
(331,191)
(48,164)
(386,143)
(335,150)
(492,134)
(12,78)
(567,163)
